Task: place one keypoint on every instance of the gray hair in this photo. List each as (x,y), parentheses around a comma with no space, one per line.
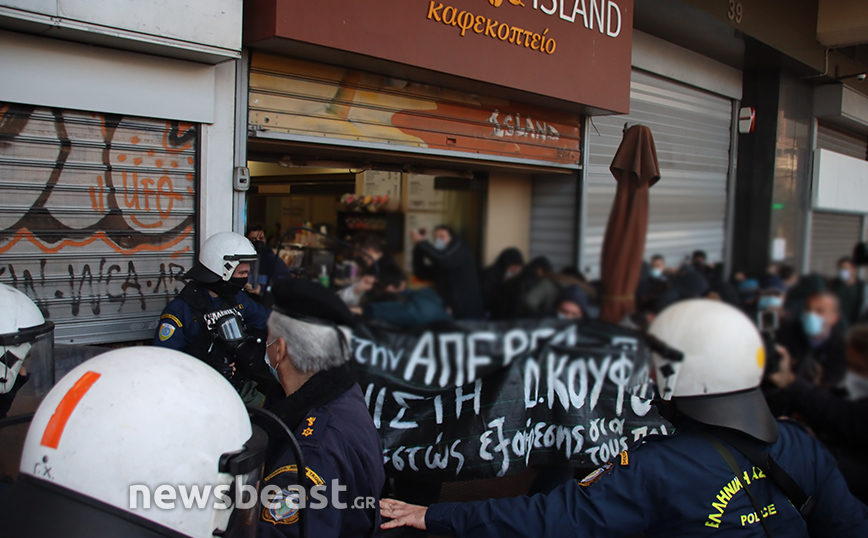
(311,347)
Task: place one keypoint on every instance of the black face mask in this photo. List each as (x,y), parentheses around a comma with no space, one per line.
(260,246)
(228,289)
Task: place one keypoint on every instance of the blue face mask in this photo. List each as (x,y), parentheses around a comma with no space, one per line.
(770,301)
(812,324)
(656,272)
(268,362)
(439,244)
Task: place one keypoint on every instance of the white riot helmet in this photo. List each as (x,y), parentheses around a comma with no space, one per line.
(123,439)
(25,337)
(220,255)
(711,366)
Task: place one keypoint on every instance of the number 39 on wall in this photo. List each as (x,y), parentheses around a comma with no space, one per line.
(735,11)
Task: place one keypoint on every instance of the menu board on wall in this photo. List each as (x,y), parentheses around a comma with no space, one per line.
(421,195)
(382,183)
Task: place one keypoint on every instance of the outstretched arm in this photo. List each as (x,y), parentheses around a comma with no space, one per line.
(402,514)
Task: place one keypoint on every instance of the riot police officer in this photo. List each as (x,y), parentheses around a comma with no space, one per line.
(731,470)
(214,320)
(26,342)
(107,456)
(26,368)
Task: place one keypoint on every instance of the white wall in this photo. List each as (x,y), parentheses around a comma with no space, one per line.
(50,72)
(214,23)
(668,60)
(217,162)
(840,182)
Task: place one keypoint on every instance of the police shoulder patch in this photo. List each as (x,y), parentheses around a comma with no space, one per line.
(282,508)
(596,475)
(166,331)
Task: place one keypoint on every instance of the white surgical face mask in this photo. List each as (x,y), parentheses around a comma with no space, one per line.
(857,385)
(268,361)
(439,244)
(812,324)
(656,272)
(844,274)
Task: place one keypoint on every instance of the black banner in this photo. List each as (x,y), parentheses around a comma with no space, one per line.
(475,400)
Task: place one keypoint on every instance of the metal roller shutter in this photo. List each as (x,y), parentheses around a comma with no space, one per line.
(849,144)
(553,219)
(97,217)
(691,130)
(833,236)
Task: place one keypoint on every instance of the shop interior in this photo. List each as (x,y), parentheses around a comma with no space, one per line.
(343,198)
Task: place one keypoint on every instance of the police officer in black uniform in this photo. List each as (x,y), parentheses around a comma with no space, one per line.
(214,320)
(319,399)
(731,470)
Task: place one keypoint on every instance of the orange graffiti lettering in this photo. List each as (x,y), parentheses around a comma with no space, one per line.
(96,197)
(179,253)
(135,200)
(24,233)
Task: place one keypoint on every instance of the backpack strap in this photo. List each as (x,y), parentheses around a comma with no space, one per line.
(755,451)
(730,460)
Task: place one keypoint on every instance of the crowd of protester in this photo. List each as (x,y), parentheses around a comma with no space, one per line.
(816,328)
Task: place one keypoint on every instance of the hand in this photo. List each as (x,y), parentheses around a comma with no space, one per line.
(356,310)
(402,514)
(250,289)
(784,377)
(417,236)
(364,285)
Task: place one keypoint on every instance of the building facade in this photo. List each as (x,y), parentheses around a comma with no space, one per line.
(117,131)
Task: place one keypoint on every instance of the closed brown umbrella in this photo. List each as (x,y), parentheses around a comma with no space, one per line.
(635,169)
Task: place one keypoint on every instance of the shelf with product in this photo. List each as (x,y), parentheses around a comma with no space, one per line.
(388,225)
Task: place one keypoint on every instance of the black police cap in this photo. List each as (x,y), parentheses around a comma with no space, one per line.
(309,301)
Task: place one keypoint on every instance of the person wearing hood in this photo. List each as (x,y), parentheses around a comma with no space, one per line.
(688,283)
(815,340)
(271,268)
(508,264)
(772,294)
(572,303)
(838,421)
(850,290)
(446,260)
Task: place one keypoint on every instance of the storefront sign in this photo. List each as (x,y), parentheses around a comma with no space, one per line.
(573,50)
(479,400)
(321,101)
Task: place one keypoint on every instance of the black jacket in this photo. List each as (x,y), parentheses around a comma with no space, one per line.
(830,354)
(842,424)
(454,275)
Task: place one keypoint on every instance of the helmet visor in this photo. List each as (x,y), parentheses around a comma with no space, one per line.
(246,466)
(28,368)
